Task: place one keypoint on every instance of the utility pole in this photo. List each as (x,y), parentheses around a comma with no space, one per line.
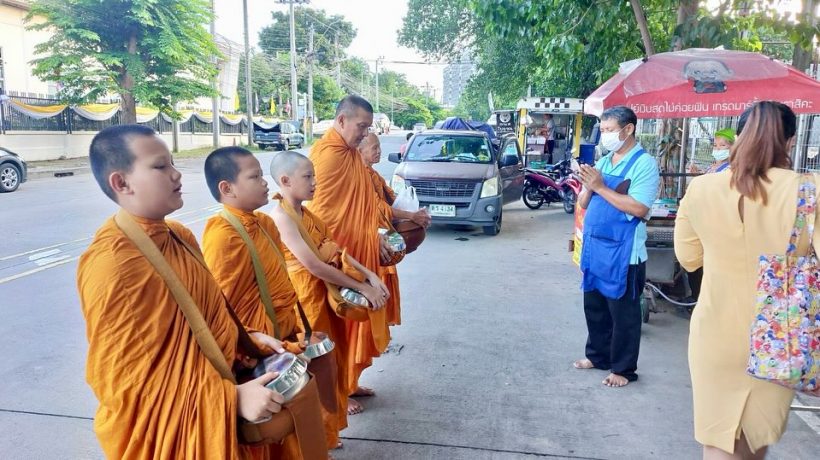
(392,104)
(248,81)
(309,105)
(338,61)
(294,95)
(379,59)
(215,85)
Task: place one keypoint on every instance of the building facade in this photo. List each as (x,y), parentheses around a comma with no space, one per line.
(456,76)
(17,51)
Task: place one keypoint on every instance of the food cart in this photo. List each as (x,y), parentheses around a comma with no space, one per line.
(567,114)
(676,88)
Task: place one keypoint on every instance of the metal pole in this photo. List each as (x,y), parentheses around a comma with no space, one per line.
(248,81)
(215,99)
(682,159)
(392,105)
(377,84)
(294,114)
(309,105)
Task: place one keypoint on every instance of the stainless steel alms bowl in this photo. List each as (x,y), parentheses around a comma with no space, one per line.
(320,345)
(293,375)
(396,242)
(355,297)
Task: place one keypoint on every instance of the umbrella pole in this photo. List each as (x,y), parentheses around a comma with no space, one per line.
(682,160)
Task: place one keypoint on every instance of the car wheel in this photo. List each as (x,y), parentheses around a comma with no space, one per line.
(495,229)
(262,146)
(533,198)
(9,177)
(285,145)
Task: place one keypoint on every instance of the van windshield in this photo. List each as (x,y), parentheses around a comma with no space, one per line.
(446,148)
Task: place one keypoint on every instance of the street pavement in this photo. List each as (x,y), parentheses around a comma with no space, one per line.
(479,369)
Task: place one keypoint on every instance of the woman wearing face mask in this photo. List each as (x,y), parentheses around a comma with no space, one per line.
(724,138)
(724,224)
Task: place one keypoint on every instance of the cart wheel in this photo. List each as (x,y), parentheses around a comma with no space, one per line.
(644,309)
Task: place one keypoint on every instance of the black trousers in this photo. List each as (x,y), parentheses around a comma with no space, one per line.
(548,148)
(614,326)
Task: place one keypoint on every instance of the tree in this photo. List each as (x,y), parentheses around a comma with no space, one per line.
(270,77)
(326,93)
(276,37)
(154,52)
(416,111)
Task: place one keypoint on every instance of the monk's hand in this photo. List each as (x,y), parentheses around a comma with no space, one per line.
(255,402)
(591,178)
(375,295)
(422,218)
(385,253)
(376,281)
(268,341)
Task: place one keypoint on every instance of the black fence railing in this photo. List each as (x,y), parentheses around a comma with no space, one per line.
(69,121)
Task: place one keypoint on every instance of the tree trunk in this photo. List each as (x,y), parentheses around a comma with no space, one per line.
(640,18)
(801,57)
(129,105)
(687,9)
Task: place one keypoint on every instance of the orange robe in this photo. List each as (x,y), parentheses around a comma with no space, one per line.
(389,275)
(313,297)
(230,262)
(159,396)
(344,202)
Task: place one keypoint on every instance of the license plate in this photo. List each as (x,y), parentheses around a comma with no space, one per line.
(442,210)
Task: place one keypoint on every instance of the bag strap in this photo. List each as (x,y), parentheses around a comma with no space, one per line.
(258,269)
(805,216)
(332,289)
(202,334)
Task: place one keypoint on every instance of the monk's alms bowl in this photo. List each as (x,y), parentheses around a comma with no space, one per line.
(396,242)
(354,297)
(293,375)
(320,344)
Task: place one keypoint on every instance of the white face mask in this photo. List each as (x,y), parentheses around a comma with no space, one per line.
(720,154)
(611,141)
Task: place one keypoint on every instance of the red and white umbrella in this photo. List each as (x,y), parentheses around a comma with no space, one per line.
(704,82)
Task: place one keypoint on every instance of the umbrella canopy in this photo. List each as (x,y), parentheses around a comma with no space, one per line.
(704,82)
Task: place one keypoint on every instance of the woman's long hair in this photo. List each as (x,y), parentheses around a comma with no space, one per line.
(762,145)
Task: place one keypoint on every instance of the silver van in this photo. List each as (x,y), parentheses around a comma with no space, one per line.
(461,176)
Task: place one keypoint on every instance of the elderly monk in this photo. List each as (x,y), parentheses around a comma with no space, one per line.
(309,271)
(159,396)
(235,179)
(344,202)
(371,152)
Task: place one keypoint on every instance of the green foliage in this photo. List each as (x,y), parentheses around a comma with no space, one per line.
(440,29)
(270,79)
(326,93)
(415,112)
(155,52)
(276,37)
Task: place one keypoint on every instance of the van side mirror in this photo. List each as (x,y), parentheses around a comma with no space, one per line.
(394,157)
(509,160)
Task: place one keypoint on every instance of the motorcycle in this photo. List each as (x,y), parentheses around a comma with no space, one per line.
(556,184)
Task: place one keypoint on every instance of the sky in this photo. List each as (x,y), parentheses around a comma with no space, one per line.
(376,21)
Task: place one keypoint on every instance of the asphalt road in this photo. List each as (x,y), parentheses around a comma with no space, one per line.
(479,369)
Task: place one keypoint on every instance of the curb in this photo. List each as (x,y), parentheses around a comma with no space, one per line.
(45,173)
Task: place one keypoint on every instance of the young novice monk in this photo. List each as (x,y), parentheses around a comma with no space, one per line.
(235,178)
(159,396)
(294,174)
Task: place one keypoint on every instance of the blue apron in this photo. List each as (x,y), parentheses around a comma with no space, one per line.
(608,240)
(722,167)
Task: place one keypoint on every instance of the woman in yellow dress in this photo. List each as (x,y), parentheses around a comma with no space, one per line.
(725,222)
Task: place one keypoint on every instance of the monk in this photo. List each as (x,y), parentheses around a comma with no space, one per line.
(159,396)
(344,202)
(371,152)
(294,174)
(235,179)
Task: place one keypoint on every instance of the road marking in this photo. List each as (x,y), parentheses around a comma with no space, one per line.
(50,260)
(33,251)
(44,254)
(38,269)
(811,419)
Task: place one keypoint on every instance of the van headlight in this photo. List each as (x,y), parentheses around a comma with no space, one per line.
(397,183)
(489,187)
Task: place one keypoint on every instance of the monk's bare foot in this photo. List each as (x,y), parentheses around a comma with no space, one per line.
(339,445)
(615,381)
(362,392)
(354,407)
(583,364)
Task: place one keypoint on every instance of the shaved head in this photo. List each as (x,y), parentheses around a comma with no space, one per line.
(350,104)
(371,138)
(285,163)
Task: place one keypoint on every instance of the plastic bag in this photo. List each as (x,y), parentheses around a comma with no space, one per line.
(406,200)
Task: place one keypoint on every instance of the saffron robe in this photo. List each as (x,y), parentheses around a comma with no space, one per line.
(230,262)
(344,202)
(159,396)
(389,275)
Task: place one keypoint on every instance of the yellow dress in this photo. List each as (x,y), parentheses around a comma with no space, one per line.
(709,233)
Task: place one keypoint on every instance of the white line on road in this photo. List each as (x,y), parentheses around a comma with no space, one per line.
(37,270)
(44,254)
(42,249)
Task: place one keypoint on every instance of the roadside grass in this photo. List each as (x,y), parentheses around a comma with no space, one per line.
(204,151)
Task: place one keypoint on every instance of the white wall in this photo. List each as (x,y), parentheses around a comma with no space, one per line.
(39,146)
(18,50)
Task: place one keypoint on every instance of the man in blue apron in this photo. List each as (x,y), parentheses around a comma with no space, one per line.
(618,195)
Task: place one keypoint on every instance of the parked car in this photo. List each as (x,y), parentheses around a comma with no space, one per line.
(419,127)
(461,177)
(282,136)
(13,170)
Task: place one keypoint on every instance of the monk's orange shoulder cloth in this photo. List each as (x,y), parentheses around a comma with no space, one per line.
(159,396)
(230,262)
